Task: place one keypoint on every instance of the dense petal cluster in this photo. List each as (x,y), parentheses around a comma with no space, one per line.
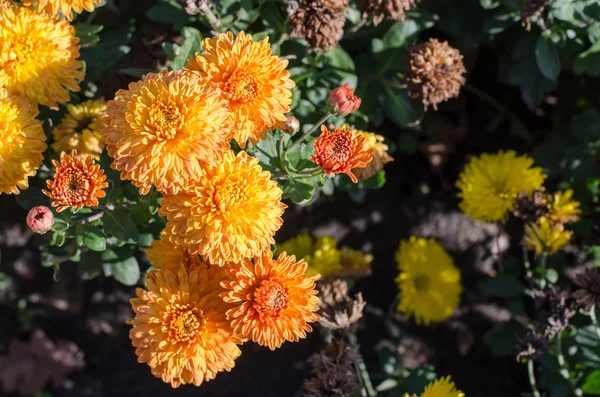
(255,83)
(64,7)
(442,387)
(562,208)
(165,254)
(545,237)
(321,255)
(38,55)
(490,184)
(340,151)
(588,294)
(22,142)
(230,214)
(78,182)
(164,129)
(274,299)
(320,23)
(180,329)
(429,282)
(80,129)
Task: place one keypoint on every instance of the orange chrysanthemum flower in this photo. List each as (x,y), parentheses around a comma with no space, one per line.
(38,55)
(164,129)
(165,254)
(340,150)
(22,142)
(254,82)
(66,7)
(181,329)
(78,182)
(275,299)
(232,212)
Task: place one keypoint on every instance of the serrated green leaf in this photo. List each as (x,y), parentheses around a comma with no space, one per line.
(297,190)
(91,237)
(119,223)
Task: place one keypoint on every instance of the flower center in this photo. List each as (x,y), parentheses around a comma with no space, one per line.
(270,298)
(422,282)
(83,124)
(241,87)
(338,151)
(184,323)
(166,120)
(229,194)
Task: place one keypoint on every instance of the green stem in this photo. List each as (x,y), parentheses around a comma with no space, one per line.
(212,18)
(564,371)
(361,370)
(310,172)
(89,219)
(532,382)
(595,320)
(309,132)
(543,258)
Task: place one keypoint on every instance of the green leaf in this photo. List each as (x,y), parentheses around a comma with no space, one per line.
(591,385)
(32,197)
(189,48)
(87,33)
(91,237)
(297,190)
(57,239)
(500,21)
(399,108)
(587,62)
(588,343)
(127,271)
(374,182)
(169,14)
(502,286)
(119,223)
(343,65)
(547,58)
(90,265)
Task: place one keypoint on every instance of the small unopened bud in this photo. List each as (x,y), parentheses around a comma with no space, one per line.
(40,219)
(343,101)
(292,125)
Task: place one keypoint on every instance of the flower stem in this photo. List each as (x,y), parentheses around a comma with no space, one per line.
(361,370)
(309,132)
(543,258)
(89,219)
(212,18)
(594,319)
(532,382)
(564,371)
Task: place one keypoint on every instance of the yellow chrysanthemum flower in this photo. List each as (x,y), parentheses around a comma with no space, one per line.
(80,129)
(22,142)
(165,254)
(544,237)
(38,55)
(429,282)
(66,7)
(164,129)
(322,255)
(490,183)
(231,213)
(354,263)
(442,387)
(255,83)
(181,329)
(380,155)
(563,209)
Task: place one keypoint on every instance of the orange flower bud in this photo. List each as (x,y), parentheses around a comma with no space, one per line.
(343,101)
(40,219)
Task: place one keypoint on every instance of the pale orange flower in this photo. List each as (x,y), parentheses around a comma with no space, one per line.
(164,129)
(380,155)
(340,150)
(78,182)
(181,329)
(66,7)
(254,82)
(165,254)
(275,299)
(232,212)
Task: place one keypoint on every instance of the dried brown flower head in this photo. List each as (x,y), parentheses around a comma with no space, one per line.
(385,9)
(436,72)
(588,294)
(531,346)
(338,310)
(333,371)
(553,310)
(532,8)
(321,23)
(531,208)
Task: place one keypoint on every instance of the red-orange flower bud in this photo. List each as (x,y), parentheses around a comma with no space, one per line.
(340,151)
(343,101)
(40,219)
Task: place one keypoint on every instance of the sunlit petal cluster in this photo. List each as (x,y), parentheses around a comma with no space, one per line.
(80,129)
(64,7)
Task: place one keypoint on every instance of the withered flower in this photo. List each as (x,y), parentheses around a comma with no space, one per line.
(333,371)
(385,9)
(194,7)
(530,9)
(531,208)
(321,23)
(531,346)
(436,72)
(588,294)
(553,310)
(338,310)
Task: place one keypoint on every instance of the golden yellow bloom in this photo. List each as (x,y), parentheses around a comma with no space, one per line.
(380,155)
(181,329)
(354,263)
(231,213)
(164,254)
(254,82)
(544,237)
(490,184)
(78,182)
(22,142)
(275,299)
(38,55)
(66,7)
(80,129)
(563,209)
(164,129)
(442,387)
(429,281)
(322,255)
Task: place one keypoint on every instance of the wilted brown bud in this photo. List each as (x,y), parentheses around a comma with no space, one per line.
(333,369)
(531,208)
(40,219)
(385,9)
(338,310)
(553,310)
(321,23)
(532,8)
(531,346)
(292,125)
(435,72)
(193,7)
(588,294)
(343,101)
